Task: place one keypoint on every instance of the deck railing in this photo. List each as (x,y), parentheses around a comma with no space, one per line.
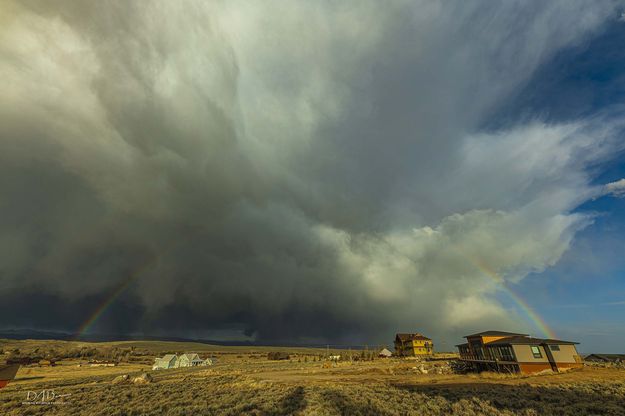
(475,357)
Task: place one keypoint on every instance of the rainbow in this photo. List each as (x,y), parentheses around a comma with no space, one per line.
(103,307)
(121,288)
(536,319)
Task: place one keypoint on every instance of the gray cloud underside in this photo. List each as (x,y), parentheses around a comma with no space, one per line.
(296,170)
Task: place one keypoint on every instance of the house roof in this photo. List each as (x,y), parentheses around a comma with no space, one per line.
(495,334)
(466,344)
(529,341)
(169,357)
(411,337)
(190,356)
(558,341)
(605,357)
(385,351)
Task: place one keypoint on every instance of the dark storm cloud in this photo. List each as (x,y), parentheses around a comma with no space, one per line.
(301,171)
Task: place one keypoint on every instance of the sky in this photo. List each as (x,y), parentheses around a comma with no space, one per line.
(314,172)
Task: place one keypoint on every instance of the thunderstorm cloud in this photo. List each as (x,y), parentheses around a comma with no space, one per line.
(284,170)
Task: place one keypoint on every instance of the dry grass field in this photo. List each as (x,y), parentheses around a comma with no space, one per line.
(243,381)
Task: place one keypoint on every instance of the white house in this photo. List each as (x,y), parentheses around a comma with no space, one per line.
(189,360)
(168,361)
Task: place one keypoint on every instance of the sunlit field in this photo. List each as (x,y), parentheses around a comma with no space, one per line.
(244,381)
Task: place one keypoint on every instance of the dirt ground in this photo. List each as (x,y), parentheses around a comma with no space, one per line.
(244,382)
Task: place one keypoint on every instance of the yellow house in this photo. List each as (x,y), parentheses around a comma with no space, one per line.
(411,345)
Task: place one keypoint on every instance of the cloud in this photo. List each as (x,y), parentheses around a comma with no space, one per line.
(294,171)
(616,188)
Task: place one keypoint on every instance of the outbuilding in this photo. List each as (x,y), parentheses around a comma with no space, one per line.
(605,358)
(385,353)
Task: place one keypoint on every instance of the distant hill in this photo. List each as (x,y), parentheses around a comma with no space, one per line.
(65,336)
(22,334)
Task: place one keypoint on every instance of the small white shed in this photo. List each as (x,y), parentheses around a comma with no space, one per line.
(385,353)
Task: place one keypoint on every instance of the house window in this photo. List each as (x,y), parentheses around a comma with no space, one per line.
(536,352)
(554,347)
(503,353)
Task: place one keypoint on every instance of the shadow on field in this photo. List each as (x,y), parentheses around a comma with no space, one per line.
(345,406)
(292,403)
(17,380)
(519,398)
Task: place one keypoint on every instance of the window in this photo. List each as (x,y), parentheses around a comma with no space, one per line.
(554,347)
(501,353)
(536,352)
